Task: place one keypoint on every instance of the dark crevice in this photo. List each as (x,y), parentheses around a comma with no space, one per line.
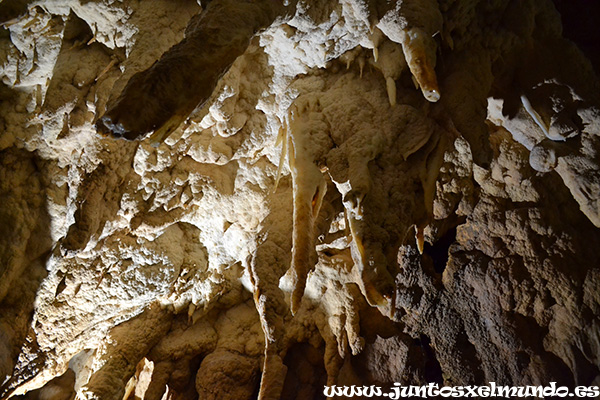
(585,372)
(11,9)
(191,384)
(580,20)
(439,250)
(433,369)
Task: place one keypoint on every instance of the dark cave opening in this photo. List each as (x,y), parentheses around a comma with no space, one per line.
(433,369)
(580,20)
(439,250)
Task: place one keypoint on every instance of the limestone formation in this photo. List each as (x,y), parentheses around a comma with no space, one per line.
(238,199)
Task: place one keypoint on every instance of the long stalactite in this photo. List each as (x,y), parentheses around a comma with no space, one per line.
(240,199)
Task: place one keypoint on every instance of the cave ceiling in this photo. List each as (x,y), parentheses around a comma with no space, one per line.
(236,199)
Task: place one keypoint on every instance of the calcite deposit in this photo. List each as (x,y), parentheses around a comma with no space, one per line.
(236,199)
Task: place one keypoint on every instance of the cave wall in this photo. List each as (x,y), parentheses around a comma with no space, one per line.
(241,199)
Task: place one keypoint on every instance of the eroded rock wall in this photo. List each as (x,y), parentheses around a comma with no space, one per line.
(258,198)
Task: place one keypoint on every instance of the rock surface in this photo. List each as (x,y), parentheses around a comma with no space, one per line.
(365,192)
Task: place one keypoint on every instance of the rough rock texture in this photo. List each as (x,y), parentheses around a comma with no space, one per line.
(310,193)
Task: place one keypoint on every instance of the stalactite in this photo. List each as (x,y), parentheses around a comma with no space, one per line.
(360,180)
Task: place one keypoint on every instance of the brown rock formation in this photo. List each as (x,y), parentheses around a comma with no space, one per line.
(323,192)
